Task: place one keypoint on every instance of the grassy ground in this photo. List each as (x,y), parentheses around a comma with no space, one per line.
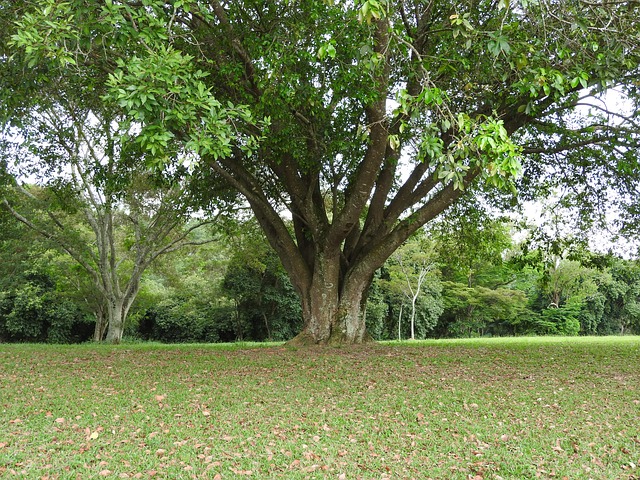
(490,409)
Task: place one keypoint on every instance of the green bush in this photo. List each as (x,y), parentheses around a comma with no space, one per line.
(558,321)
(33,313)
(186,321)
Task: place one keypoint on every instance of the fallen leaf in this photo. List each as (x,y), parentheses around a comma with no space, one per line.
(557,447)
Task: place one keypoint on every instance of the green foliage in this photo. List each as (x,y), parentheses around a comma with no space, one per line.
(622,294)
(267,307)
(479,242)
(558,321)
(180,321)
(34,312)
(592,313)
(474,311)
(407,291)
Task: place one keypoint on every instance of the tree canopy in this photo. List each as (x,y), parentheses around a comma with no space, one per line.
(347,126)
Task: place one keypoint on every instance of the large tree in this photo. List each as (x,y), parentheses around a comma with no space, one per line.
(355,122)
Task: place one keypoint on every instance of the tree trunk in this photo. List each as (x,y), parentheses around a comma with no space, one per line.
(333,306)
(101,325)
(117,308)
(413,317)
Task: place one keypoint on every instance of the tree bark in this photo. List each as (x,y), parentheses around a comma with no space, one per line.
(117,309)
(333,305)
(101,325)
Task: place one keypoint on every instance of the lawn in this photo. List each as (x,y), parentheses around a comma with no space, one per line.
(485,409)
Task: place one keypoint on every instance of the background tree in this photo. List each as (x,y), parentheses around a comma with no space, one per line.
(110,216)
(476,311)
(472,245)
(622,304)
(413,273)
(475,83)
(38,302)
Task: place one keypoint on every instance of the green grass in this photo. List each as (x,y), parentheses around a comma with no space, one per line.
(548,408)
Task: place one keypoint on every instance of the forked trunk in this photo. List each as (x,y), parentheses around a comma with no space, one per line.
(117,308)
(333,307)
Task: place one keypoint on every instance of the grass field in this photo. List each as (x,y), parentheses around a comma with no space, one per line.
(487,409)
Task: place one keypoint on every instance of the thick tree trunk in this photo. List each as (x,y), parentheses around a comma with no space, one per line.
(117,309)
(333,307)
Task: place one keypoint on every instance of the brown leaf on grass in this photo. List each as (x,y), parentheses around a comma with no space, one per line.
(160,398)
(105,473)
(313,468)
(557,447)
(241,472)
(60,420)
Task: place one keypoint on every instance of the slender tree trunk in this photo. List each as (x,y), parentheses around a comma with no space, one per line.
(413,317)
(101,325)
